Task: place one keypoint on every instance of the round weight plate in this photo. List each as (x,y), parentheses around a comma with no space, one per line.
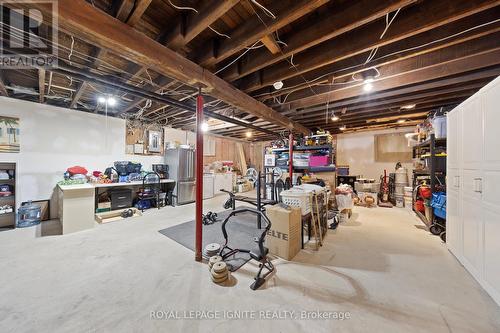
(220,280)
(219,267)
(219,275)
(214,259)
(212,247)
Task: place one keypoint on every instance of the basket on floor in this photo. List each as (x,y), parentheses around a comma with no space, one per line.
(297,197)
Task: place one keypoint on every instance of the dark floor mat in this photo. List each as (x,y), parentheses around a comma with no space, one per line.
(241,230)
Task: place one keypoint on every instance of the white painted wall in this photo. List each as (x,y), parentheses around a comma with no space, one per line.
(358,151)
(53,139)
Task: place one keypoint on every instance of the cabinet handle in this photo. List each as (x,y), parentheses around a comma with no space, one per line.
(478,185)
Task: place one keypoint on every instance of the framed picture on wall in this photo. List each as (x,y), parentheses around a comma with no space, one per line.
(9,135)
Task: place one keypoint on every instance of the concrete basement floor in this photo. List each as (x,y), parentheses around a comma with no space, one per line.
(381,267)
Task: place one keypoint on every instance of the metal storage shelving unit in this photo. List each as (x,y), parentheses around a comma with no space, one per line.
(432,173)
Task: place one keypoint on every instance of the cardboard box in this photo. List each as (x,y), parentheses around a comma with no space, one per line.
(283,239)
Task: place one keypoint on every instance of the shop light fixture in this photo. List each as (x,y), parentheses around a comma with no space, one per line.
(109,100)
(342,128)
(204,127)
(278,85)
(335,118)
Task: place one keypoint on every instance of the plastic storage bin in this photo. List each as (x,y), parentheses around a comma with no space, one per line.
(29,215)
(439,126)
(318,160)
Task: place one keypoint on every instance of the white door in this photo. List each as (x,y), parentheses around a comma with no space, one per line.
(491,114)
(472,235)
(454,138)
(472,133)
(454,223)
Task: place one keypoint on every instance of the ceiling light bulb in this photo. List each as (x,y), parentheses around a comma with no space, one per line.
(400,121)
(278,85)
(408,107)
(248,134)
(335,118)
(101,99)
(204,127)
(368,86)
(368,80)
(342,128)
(111,101)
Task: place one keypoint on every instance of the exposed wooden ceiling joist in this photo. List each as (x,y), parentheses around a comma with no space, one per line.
(331,25)
(468,77)
(417,45)
(83,20)
(185,30)
(453,60)
(428,15)
(256,28)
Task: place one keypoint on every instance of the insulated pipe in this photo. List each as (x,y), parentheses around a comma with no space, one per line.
(290,157)
(199,177)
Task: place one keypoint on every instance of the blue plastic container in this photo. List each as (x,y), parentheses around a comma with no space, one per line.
(29,215)
(438,202)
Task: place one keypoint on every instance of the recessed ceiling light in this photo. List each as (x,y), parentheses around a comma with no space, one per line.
(278,85)
(204,127)
(248,134)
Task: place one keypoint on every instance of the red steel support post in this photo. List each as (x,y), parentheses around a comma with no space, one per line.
(199,177)
(290,158)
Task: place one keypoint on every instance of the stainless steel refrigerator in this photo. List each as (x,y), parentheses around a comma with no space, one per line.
(181,162)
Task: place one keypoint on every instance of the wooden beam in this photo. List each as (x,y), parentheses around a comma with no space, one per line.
(254,29)
(394,101)
(78,94)
(435,84)
(83,20)
(433,40)
(41,85)
(436,65)
(271,44)
(208,13)
(418,19)
(332,24)
(139,9)
(122,9)
(126,11)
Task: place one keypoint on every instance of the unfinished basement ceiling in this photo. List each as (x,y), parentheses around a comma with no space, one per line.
(422,56)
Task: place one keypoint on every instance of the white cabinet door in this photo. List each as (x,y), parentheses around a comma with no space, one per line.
(208,187)
(454,223)
(472,133)
(491,114)
(472,235)
(454,138)
(491,252)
